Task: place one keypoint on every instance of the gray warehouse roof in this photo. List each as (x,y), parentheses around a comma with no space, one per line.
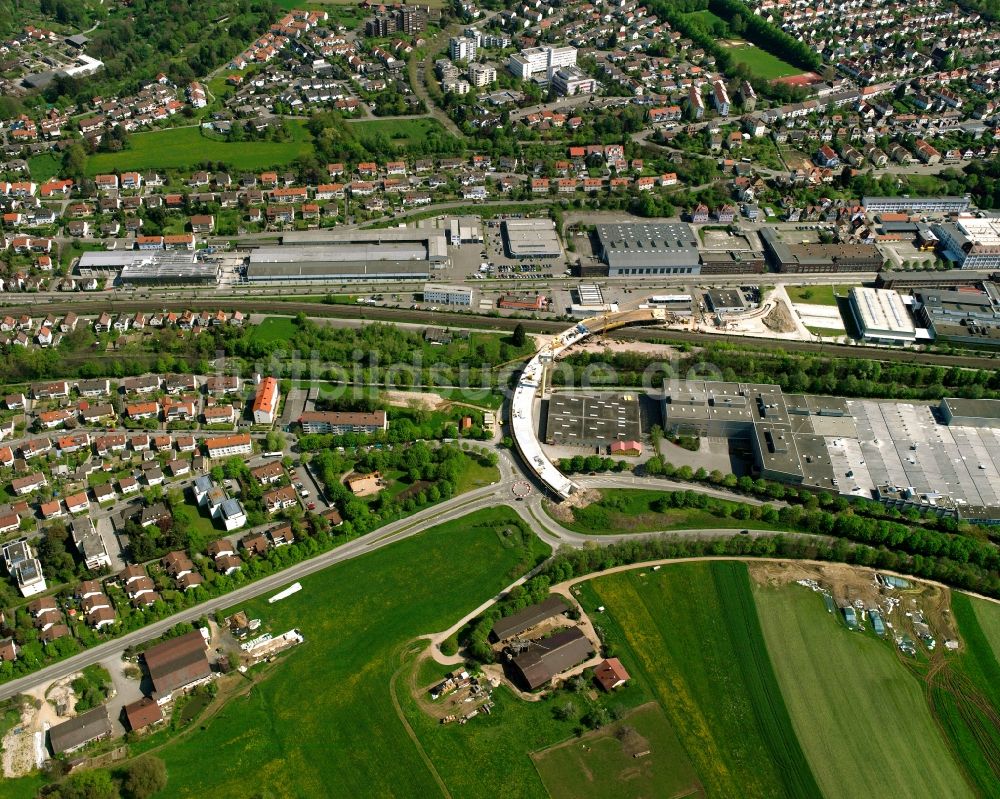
(342,252)
(973,408)
(644,245)
(343,270)
(527,237)
(432,241)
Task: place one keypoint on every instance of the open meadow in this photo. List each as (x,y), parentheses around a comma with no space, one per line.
(636,510)
(186,148)
(762,63)
(324,724)
(859,713)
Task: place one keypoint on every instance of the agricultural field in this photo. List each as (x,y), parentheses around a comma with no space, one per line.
(965,695)
(639,756)
(326,715)
(762,63)
(860,716)
(692,635)
(186,148)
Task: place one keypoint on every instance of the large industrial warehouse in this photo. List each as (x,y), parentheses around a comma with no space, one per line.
(531,238)
(145,267)
(881,316)
(583,420)
(944,458)
(380,255)
(648,249)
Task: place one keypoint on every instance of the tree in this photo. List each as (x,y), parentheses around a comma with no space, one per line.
(94,784)
(145,777)
(519,337)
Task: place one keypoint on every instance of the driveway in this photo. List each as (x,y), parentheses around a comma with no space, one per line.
(127,691)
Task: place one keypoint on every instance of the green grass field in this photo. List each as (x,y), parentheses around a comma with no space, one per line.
(706,17)
(813,295)
(400,132)
(324,724)
(476,475)
(859,714)
(825,332)
(988,616)
(691,633)
(179,148)
(762,63)
(273,329)
(629,510)
(604,763)
(44,166)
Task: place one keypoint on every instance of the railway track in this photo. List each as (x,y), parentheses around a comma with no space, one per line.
(506,323)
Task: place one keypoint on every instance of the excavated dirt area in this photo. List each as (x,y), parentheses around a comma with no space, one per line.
(779,319)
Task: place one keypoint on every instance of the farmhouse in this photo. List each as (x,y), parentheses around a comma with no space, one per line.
(77,732)
(611,674)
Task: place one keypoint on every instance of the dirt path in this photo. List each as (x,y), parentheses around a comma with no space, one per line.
(402,716)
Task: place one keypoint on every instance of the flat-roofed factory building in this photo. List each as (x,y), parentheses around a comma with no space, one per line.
(881,316)
(592,420)
(364,256)
(970,412)
(648,249)
(810,258)
(148,267)
(531,238)
(943,459)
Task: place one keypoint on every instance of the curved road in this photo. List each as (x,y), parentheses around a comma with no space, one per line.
(499,493)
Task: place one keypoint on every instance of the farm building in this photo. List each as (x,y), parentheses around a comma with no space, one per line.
(531,616)
(546,658)
(81,730)
(877,624)
(176,664)
(142,714)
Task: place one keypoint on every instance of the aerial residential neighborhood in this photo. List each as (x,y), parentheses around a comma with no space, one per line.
(470,399)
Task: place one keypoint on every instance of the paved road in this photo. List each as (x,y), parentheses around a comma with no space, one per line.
(397,531)
(499,493)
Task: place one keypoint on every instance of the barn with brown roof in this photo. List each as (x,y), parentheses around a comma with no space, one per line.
(177,664)
(546,657)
